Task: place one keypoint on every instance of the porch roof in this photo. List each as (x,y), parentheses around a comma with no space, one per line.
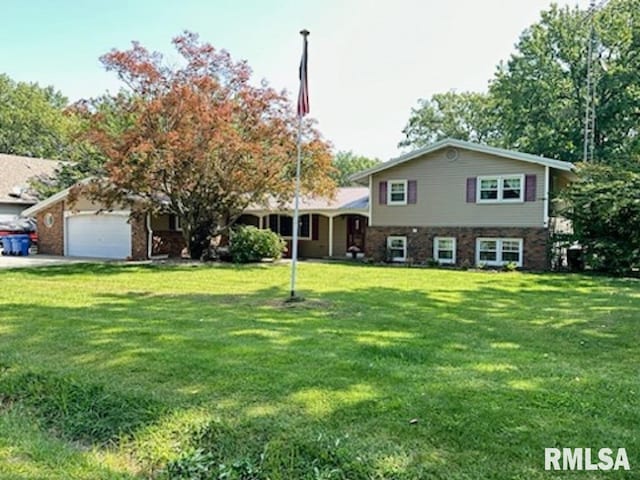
(346,199)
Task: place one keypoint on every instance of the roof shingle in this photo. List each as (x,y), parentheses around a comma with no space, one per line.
(15,173)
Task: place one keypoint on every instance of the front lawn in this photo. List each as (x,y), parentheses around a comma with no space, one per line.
(113,371)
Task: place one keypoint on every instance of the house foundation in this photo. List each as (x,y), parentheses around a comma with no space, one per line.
(419,243)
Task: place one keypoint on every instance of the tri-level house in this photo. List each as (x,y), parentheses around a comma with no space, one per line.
(454,202)
(463,203)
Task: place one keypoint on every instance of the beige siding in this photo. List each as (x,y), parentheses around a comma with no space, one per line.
(317,248)
(84,204)
(442,193)
(558,182)
(9,210)
(340,236)
(249,219)
(160,222)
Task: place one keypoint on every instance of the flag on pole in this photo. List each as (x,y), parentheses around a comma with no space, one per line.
(303,94)
(303,109)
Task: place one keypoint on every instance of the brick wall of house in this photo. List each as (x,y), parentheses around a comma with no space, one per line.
(168,242)
(51,239)
(138,237)
(420,242)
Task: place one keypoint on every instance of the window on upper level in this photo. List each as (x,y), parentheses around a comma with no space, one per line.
(397,192)
(502,188)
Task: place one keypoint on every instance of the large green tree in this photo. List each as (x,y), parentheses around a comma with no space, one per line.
(32,120)
(540,93)
(603,205)
(618,88)
(348,163)
(536,101)
(85,159)
(465,116)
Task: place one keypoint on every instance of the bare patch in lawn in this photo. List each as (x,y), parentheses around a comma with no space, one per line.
(305,304)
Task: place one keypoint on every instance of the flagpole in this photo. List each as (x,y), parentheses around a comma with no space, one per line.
(296,206)
(296,202)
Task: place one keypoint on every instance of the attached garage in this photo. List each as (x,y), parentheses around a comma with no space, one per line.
(104,235)
(85,228)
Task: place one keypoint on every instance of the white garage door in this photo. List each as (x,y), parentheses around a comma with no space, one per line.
(104,236)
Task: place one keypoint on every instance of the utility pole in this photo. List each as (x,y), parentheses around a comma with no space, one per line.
(590,93)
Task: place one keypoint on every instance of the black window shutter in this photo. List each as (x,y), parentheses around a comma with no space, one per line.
(530,188)
(471,189)
(382,193)
(412,197)
(315,225)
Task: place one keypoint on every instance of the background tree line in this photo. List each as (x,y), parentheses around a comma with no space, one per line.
(535,101)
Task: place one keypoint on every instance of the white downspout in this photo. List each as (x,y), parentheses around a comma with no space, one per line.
(331,236)
(370,200)
(149,237)
(545,215)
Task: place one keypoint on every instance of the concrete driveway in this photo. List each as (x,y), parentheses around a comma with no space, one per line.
(31,261)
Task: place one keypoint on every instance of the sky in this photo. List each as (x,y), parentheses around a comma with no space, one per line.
(369,61)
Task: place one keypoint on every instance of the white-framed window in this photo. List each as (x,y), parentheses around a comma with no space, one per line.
(444,250)
(500,188)
(498,251)
(397,248)
(397,192)
(283,226)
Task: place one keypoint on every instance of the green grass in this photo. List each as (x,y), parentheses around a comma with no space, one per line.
(126,372)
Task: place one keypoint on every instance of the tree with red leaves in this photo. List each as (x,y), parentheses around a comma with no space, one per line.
(199,141)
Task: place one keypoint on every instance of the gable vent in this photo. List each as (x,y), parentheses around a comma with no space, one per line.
(451,154)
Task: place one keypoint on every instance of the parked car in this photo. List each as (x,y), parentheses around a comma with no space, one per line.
(20,226)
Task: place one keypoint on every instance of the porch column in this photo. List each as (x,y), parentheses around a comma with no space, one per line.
(331,236)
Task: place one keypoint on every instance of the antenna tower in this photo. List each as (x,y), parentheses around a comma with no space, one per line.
(590,91)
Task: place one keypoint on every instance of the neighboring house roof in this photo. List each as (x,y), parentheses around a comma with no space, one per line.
(476,147)
(15,173)
(346,198)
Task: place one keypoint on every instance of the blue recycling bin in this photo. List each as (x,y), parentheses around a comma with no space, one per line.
(20,244)
(6,245)
(25,244)
(15,245)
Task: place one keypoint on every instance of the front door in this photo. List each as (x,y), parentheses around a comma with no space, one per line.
(356,225)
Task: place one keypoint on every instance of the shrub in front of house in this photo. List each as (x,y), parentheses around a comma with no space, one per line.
(251,244)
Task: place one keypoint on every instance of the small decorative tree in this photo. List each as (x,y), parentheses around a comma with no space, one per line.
(200,142)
